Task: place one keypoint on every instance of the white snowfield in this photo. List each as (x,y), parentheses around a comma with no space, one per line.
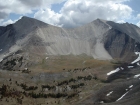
(138,59)
(114,71)
(136,76)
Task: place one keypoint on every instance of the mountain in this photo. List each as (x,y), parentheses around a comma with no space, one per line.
(97,63)
(100,39)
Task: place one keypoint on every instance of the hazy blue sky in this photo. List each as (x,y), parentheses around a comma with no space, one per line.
(70,13)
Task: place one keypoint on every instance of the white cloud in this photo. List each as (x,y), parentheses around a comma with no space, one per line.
(121,21)
(138,16)
(73,13)
(1,21)
(8,22)
(48,16)
(87,11)
(138,24)
(23,7)
(13,6)
(32,3)
(4,23)
(78,12)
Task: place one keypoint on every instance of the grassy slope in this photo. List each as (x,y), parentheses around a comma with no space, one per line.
(56,64)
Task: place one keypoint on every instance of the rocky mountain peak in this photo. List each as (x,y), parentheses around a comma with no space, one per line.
(96,39)
(29,22)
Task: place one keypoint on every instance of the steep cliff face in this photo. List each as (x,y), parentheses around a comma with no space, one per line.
(120,45)
(131,30)
(7,39)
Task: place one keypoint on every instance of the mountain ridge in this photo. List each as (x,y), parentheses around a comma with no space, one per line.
(90,39)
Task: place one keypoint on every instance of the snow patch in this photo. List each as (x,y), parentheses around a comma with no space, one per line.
(130,67)
(136,76)
(137,53)
(122,96)
(101,102)
(109,93)
(47,57)
(114,71)
(25,68)
(130,86)
(122,68)
(138,64)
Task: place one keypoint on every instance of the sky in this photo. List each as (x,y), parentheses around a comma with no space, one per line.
(70,13)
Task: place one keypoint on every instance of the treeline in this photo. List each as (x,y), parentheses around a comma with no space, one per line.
(6,91)
(77,86)
(52,95)
(27,88)
(78,69)
(85,78)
